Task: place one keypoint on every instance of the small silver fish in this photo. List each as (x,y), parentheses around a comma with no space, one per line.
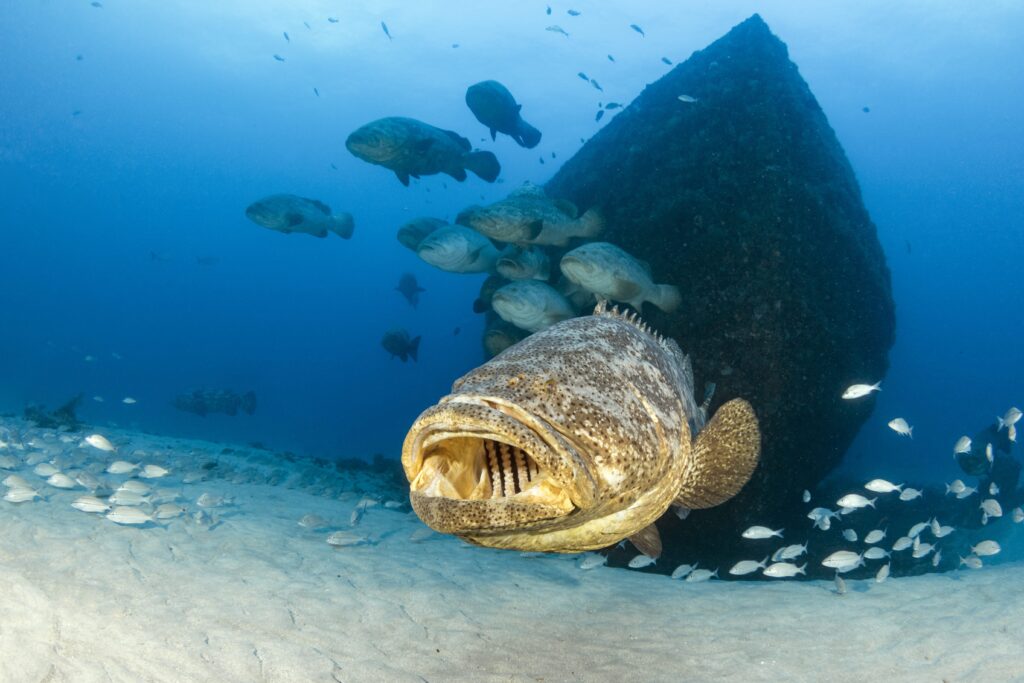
(313,522)
(128,401)
(989,455)
(1017,515)
(61,481)
(90,504)
(855,501)
(121,467)
(874,536)
(689,99)
(921,549)
(993,489)
(858,390)
(972,561)
(902,543)
(936,558)
(968,491)
(843,560)
(910,494)
(900,426)
(882,486)
(128,515)
(807,496)
(963,445)
(744,567)
(592,561)
(875,553)
(682,571)
(641,561)
(153,472)
(1011,418)
(840,585)
(346,539)
(783,570)
(701,575)
(986,548)
(760,532)
(18,494)
(957,486)
(791,552)
(916,530)
(45,469)
(883,573)
(99,441)
(850,535)
(168,511)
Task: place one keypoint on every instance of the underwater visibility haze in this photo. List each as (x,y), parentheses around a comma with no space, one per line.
(511,341)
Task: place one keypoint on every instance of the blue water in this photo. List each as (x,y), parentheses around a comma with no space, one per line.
(184,118)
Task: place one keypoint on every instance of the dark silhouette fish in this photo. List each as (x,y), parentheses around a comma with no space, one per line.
(637,29)
(412,148)
(397,343)
(410,289)
(495,107)
(386,31)
(279,58)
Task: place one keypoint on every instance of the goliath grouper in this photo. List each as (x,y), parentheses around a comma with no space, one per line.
(573,439)
(495,107)
(413,148)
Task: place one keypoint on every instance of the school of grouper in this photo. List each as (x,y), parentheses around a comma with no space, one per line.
(515,240)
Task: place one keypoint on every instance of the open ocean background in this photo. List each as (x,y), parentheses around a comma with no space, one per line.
(176,117)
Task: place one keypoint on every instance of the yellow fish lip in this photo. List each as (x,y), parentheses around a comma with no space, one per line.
(481,464)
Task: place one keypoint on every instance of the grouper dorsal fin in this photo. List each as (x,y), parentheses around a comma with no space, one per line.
(648,541)
(722,458)
(682,361)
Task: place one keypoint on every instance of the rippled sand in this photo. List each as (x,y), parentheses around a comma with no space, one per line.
(258,598)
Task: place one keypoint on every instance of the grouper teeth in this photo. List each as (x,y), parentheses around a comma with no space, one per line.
(522,475)
(493,468)
(508,484)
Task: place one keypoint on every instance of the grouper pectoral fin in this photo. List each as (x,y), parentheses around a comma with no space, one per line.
(403,177)
(723,457)
(648,541)
(494,134)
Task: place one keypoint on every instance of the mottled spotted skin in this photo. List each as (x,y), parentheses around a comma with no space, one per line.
(604,406)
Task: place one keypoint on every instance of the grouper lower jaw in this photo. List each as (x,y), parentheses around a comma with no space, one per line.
(475,466)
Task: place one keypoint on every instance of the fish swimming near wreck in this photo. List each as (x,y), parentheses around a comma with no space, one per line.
(410,289)
(412,148)
(398,343)
(411,234)
(529,216)
(289,213)
(458,249)
(576,438)
(495,107)
(611,273)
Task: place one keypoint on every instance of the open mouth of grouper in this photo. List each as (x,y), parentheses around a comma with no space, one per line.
(469,479)
(474,468)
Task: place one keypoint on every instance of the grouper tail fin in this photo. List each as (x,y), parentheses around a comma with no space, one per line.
(342,225)
(589,225)
(666,297)
(723,457)
(483,164)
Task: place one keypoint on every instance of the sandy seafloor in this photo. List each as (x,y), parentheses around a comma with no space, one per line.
(246,594)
